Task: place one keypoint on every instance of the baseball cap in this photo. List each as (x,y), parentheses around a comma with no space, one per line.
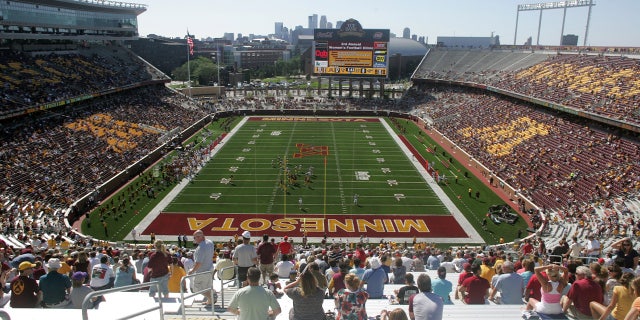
(246,234)
(79,275)
(54,263)
(286,238)
(375,263)
(466,266)
(26,265)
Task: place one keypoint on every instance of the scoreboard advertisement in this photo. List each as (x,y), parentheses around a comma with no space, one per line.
(351,51)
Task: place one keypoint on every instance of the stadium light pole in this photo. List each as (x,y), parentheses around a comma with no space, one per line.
(515,34)
(554,5)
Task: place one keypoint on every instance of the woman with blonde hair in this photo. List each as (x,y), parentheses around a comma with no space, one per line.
(350,302)
(551,289)
(159,269)
(620,303)
(307,297)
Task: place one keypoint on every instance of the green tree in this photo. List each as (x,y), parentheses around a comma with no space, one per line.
(203,70)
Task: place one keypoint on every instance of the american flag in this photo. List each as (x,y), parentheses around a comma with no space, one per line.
(190,44)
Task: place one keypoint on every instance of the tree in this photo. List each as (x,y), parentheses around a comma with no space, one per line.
(203,71)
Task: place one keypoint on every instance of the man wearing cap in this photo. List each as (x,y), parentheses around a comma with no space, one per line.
(79,291)
(474,289)
(284,247)
(25,292)
(245,257)
(267,255)
(374,278)
(55,286)
(203,261)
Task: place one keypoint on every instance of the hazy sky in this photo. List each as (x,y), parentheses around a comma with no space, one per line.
(613,22)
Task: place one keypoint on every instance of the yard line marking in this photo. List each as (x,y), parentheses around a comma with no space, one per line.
(276,185)
(343,202)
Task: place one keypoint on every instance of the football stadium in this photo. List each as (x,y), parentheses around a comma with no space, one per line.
(509,175)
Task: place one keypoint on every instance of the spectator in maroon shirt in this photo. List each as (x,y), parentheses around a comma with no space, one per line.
(158,267)
(474,289)
(582,292)
(266,256)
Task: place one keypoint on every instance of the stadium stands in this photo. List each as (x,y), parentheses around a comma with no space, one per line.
(599,84)
(32,79)
(557,161)
(585,175)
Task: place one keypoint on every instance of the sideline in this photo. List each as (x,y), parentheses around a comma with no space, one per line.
(470,164)
(155,212)
(474,236)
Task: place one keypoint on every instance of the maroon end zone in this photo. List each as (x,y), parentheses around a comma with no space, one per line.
(312,119)
(316,225)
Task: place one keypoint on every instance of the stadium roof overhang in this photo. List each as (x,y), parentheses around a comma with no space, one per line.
(93,5)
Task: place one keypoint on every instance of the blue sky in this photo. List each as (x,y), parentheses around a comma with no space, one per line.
(613,22)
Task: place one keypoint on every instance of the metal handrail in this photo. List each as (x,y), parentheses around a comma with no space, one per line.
(222,281)
(183,285)
(556,257)
(90,296)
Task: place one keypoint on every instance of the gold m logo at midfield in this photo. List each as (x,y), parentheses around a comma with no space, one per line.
(307,150)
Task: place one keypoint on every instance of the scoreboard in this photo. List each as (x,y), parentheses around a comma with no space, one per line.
(351,51)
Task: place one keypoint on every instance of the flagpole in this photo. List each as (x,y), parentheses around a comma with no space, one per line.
(189,46)
(188,68)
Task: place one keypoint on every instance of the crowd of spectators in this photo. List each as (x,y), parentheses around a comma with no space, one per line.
(600,84)
(603,85)
(587,279)
(57,157)
(30,80)
(556,160)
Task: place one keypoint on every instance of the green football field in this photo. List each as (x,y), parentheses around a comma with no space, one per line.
(245,185)
(333,177)
(342,160)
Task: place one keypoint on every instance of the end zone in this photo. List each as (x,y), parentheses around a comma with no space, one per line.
(226,226)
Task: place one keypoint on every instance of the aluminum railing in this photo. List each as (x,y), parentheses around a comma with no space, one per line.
(183,286)
(87,300)
(223,282)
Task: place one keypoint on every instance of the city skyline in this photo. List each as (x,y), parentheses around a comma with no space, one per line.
(612,23)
